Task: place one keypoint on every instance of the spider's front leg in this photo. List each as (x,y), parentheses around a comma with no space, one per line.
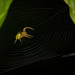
(15,41)
(20,40)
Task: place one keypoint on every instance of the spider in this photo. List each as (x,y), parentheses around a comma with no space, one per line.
(19,35)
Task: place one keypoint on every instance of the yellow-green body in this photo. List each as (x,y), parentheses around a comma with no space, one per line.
(18,36)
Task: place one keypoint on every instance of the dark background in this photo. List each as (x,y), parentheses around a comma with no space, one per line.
(53,40)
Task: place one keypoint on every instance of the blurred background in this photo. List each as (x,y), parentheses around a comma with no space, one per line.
(52,46)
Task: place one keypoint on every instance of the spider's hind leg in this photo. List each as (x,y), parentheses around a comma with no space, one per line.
(28,36)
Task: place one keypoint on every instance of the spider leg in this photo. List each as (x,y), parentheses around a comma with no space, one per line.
(30,35)
(27,36)
(15,41)
(20,40)
(24,29)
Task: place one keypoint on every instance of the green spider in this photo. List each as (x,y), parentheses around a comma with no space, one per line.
(22,34)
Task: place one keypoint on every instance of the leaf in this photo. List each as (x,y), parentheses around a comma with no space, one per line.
(71,4)
(4,6)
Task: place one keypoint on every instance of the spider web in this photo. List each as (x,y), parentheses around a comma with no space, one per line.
(39,19)
(52,34)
